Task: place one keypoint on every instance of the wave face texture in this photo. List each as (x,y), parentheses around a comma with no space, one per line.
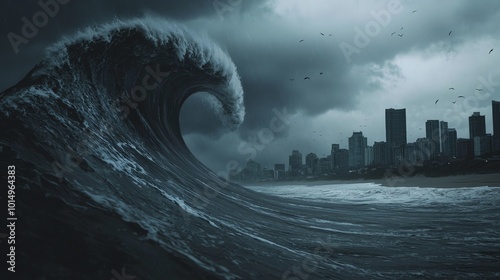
(106,186)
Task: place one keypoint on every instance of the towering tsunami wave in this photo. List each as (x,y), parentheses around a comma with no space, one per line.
(95,127)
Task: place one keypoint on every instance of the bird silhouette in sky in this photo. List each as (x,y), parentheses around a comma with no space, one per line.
(307,78)
(452,88)
(436,101)
(321,73)
(322,34)
(301,41)
(490,51)
(454,102)
(479,89)
(414,11)
(449,34)
(393,33)
(292,79)
(330,35)
(400,35)
(461,96)
(401,28)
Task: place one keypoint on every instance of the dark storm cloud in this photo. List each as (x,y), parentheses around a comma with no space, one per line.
(268,54)
(73,15)
(430,25)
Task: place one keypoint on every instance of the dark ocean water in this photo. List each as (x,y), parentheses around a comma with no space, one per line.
(106,187)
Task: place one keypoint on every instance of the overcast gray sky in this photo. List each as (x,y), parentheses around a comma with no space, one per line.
(365,68)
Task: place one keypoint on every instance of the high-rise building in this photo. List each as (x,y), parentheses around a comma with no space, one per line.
(410,153)
(324,165)
(295,163)
(482,144)
(423,149)
(380,153)
(368,156)
(357,145)
(443,138)
(342,159)
(465,148)
(395,130)
(279,171)
(335,149)
(437,132)
(495,107)
(311,162)
(452,142)
(477,125)
(477,128)
(432,133)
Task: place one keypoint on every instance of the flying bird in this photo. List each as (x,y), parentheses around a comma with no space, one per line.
(292,79)
(490,51)
(307,78)
(321,73)
(452,88)
(461,96)
(322,34)
(479,89)
(400,35)
(414,11)
(454,102)
(393,33)
(401,28)
(449,34)
(436,101)
(301,41)
(330,35)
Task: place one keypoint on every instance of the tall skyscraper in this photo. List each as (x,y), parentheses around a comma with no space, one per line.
(311,162)
(395,130)
(437,132)
(368,156)
(477,125)
(342,160)
(432,133)
(477,131)
(452,142)
(335,149)
(380,153)
(495,107)
(443,138)
(465,148)
(357,145)
(295,163)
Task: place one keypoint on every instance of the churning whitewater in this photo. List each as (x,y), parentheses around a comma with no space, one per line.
(95,127)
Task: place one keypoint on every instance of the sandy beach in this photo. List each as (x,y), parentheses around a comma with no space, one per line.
(459,181)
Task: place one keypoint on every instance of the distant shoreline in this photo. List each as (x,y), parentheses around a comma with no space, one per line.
(456,181)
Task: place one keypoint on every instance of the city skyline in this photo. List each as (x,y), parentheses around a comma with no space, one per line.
(434,129)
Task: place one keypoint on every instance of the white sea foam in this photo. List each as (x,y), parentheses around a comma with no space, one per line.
(374,193)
